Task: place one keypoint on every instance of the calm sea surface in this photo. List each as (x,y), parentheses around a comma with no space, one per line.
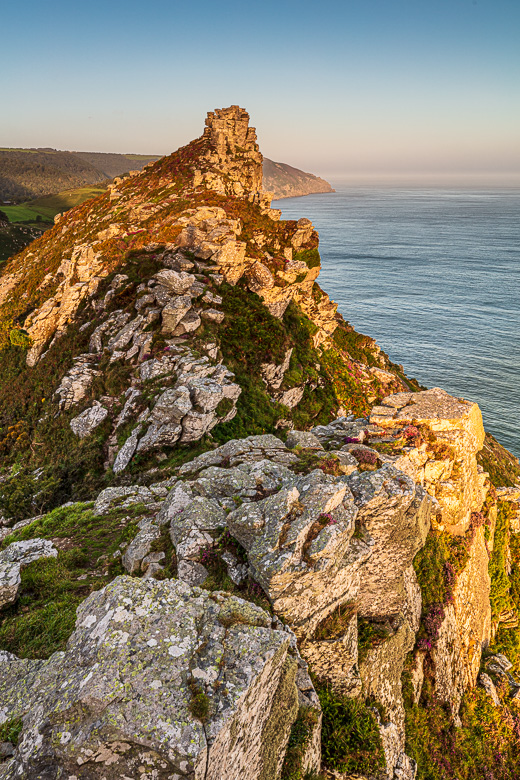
(434,276)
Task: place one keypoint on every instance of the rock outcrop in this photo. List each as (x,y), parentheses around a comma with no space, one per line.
(15,558)
(154,684)
(270,534)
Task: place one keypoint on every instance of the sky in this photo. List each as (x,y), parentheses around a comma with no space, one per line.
(357,89)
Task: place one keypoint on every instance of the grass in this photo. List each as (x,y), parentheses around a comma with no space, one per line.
(301,733)
(43,617)
(336,624)
(45,209)
(10,731)
(500,596)
(370,634)
(503,467)
(350,740)
(505,585)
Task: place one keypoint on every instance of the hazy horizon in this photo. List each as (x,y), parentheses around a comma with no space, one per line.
(396,88)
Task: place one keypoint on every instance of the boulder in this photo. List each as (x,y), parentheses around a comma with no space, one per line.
(87,421)
(75,384)
(159,680)
(141,545)
(213,315)
(179,282)
(14,558)
(174,311)
(303,439)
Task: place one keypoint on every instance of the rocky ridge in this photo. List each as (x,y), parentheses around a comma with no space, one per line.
(263,551)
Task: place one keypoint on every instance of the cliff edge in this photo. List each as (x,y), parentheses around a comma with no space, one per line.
(235,539)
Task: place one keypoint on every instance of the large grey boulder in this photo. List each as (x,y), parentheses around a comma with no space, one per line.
(159,681)
(237,451)
(178,282)
(14,559)
(303,439)
(298,543)
(395,514)
(87,421)
(322,541)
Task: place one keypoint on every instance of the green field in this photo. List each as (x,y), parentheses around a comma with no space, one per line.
(45,209)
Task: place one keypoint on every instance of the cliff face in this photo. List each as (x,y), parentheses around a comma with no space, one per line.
(284,181)
(236,540)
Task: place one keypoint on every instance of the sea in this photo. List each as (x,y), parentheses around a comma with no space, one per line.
(434,276)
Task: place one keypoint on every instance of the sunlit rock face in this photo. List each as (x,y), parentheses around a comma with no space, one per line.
(159,681)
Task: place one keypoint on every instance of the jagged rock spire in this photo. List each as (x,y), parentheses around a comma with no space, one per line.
(233,151)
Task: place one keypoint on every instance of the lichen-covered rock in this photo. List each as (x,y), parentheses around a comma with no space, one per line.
(75,384)
(303,439)
(489,686)
(302,549)
(14,558)
(141,545)
(236,451)
(122,700)
(473,609)
(87,421)
(450,675)
(395,513)
(128,496)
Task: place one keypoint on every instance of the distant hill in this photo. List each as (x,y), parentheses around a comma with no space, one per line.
(44,209)
(26,174)
(288,182)
(32,173)
(13,238)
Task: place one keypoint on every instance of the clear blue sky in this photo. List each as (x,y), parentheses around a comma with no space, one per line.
(358,87)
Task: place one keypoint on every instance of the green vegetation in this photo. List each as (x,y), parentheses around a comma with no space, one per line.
(311,257)
(371,634)
(309,459)
(485,745)
(335,625)
(358,346)
(199,703)
(347,382)
(350,740)
(319,401)
(250,336)
(10,730)
(504,571)
(503,468)
(500,596)
(299,738)
(14,238)
(43,617)
(44,209)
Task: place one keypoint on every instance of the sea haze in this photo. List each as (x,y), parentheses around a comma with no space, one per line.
(434,276)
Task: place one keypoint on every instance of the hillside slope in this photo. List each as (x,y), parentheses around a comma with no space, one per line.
(284,181)
(236,541)
(32,173)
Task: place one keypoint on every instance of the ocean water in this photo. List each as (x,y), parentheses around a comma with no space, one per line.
(434,276)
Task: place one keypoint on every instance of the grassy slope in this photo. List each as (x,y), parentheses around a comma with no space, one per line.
(48,206)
